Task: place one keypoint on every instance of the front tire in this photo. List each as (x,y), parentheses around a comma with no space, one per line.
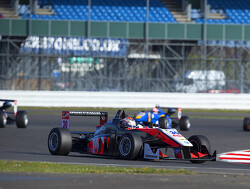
(60,141)
(200,144)
(246,124)
(22,119)
(130,146)
(185,123)
(3,119)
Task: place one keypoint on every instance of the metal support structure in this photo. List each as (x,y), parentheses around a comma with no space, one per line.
(89,18)
(205,36)
(147,27)
(30,71)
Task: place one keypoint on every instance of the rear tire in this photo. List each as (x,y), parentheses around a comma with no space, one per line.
(200,144)
(60,141)
(185,123)
(130,146)
(3,119)
(246,124)
(22,119)
(163,122)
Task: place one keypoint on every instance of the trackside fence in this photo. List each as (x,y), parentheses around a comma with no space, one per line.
(128,99)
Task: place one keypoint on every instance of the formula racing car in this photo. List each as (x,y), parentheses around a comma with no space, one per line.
(18,117)
(159,118)
(246,124)
(121,137)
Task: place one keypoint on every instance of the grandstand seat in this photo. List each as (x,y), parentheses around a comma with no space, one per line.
(111,10)
(236,11)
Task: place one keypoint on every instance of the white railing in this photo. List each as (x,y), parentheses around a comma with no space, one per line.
(128,99)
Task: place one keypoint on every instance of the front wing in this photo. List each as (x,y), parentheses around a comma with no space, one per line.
(182,153)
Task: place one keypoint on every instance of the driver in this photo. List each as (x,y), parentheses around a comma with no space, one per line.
(155,110)
(129,122)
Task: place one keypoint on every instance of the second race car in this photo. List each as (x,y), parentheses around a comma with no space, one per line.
(122,137)
(159,118)
(8,117)
(246,124)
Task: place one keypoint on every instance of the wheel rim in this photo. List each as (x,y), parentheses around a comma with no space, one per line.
(53,141)
(188,124)
(4,119)
(166,124)
(26,120)
(125,146)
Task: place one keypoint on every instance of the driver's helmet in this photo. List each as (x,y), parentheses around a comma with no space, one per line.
(129,122)
(155,110)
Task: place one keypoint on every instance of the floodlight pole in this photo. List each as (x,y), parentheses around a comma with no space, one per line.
(30,14)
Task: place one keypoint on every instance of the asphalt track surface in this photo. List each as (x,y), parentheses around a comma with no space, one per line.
(30,144)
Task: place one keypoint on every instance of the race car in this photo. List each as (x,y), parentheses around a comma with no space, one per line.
(18,117)
(246,124)
(159,118)
(128,141)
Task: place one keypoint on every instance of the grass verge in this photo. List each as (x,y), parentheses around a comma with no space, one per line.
(45,167)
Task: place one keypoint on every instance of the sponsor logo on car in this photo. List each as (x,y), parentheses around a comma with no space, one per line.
(186,142)
(151,156)
(175,134)
(177,151)
(65,119)
(65,115)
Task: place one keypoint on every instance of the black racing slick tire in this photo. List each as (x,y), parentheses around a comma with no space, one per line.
(3,119)
(185,123)
(60,141)
(129,146)
(200,144)
(163,122)
(246,124)
(22,119)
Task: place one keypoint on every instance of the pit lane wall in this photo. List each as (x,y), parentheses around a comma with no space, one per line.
(128,99)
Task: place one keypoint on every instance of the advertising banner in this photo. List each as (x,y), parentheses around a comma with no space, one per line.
(75,46)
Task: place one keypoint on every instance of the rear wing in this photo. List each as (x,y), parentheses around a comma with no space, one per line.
(66,114)
(179,114)
(15,104)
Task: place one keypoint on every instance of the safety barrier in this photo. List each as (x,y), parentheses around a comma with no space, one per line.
(128,99)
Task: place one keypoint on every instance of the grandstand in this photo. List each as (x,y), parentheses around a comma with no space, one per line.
(228,12)
(171,11)
(163,11)
(117,44)
(103,10)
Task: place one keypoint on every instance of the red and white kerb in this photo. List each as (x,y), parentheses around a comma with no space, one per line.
(241,156)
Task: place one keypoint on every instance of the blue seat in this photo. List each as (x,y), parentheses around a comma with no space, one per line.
(235,11)
(133,10)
